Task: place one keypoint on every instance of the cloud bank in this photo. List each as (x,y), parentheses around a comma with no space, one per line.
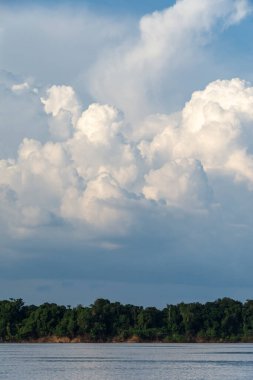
(113,191)
(167,46)
(95,173)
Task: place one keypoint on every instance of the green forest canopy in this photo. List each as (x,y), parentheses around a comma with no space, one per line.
(224,320)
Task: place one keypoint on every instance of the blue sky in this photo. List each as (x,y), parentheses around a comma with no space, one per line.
(135,7)
(126,154)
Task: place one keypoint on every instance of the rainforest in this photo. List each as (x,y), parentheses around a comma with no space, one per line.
(224,320)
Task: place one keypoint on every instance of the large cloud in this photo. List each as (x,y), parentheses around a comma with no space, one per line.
(96,172)
(167,47)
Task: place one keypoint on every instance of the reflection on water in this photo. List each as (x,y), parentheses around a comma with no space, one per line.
(126,361)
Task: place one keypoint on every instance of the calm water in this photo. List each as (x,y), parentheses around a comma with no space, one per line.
(126,361)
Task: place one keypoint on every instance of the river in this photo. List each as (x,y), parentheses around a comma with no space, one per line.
(126,361)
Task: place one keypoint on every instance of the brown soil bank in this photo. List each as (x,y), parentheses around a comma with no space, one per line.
(132,339)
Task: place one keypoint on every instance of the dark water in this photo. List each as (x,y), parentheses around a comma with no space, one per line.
(126,361)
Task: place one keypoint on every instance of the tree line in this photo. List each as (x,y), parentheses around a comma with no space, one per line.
(224,320)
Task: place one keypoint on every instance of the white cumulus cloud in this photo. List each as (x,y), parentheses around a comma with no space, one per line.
(99,176)
(167,44)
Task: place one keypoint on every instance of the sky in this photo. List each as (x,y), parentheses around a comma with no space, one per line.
(126,151)
(133,7)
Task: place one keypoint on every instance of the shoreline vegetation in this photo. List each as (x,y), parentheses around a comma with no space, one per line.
(222,321)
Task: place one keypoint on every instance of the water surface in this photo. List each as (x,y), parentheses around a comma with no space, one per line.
(126,361)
